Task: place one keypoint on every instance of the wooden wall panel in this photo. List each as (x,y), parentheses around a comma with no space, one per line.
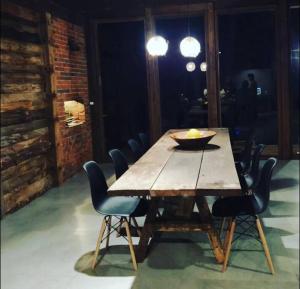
(25,142)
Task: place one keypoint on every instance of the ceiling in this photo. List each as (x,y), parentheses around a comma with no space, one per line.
(136,7)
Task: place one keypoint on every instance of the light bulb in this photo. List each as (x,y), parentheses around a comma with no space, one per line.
(190,47)
(157,46)
(203,66)
(190,66)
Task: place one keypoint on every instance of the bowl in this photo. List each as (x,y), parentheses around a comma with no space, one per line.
(193,142)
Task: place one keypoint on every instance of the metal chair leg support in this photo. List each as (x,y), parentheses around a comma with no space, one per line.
(108,224)
(99,241)
(222,226)
(265,245)
(229,236)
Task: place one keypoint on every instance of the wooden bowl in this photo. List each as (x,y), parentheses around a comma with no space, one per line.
(193,143)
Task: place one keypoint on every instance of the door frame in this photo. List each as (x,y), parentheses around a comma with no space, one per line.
(95,84)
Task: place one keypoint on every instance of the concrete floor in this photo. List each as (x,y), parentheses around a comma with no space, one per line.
(48,243)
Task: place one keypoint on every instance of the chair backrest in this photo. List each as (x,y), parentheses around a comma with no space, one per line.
(262,191)
(144,140)
(254,170)
(97,183)
(120,162)
(247,152)
(135,148)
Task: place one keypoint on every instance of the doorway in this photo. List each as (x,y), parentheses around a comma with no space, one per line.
(123,80)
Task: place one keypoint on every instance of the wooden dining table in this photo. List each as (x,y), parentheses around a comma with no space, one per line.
(176,180)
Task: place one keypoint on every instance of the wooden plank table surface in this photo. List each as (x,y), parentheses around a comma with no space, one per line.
(167,171)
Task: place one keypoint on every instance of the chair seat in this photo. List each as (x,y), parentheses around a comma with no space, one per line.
(123,206)
(234,206)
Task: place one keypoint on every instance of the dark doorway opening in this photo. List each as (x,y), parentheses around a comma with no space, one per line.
(123,76)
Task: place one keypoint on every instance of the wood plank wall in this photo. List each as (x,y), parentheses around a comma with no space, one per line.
(26,169)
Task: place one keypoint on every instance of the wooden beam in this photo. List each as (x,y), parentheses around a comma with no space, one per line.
(179,10)
(283,91)
(120,19)
(214,116)
(95,90)
(153,85)
(246,9)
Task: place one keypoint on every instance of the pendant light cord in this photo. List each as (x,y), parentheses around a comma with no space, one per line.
(188,9)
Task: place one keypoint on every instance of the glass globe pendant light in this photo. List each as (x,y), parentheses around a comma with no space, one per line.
(157,46)
(190,66)
(203,66)
(190,47)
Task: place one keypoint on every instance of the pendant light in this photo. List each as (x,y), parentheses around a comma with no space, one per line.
(190,66)
(203,66)
(157,46)
(189,46)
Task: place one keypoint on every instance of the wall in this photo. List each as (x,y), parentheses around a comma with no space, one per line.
(26,167)
(38,73)
(74,144)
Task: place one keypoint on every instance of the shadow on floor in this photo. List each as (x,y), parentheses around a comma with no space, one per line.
(115,261)
(283,183)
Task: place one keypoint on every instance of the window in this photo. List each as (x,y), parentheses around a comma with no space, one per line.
(183,93)
(247,75)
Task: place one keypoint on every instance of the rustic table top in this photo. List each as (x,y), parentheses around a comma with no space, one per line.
(165,170)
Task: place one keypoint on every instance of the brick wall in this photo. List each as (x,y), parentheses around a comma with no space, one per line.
(73,144)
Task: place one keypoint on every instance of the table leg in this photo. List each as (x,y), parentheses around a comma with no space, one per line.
(214,238)
(147,230)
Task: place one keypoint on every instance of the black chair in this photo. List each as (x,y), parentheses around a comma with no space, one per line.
(245,207)
(120,162)
(136,149)
(249,180)
(144,139)
(243,160)
(119,207)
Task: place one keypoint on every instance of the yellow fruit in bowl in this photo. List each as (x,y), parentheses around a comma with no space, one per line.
(193,133)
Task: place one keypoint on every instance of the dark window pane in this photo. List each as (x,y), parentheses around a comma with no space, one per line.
(294,74)
(247,74)
(183,103)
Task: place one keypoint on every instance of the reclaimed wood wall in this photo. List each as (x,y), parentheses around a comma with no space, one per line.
(26,146)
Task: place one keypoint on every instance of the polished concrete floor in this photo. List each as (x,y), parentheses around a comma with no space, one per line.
(49,244)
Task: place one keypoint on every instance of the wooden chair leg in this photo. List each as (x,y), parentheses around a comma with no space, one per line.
(229,236)
(108,224)
(130,244)
(216,245)
(99,241)
(265,245)
(225,242)
(137,227)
